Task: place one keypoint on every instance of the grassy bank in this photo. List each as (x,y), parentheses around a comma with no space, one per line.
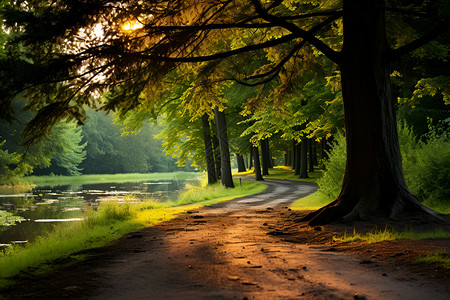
(111,221)
(110,178)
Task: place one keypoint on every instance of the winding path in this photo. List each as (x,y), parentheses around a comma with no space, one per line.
(225,251)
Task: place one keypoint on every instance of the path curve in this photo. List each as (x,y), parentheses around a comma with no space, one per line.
(231,250)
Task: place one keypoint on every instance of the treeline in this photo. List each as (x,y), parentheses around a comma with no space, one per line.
(99,146)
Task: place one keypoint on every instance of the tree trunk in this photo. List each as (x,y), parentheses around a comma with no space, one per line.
(374,184)
(265,156)
(215,141)
(257,164)
(303,172)
(225,164)
(240,163)
(310,155)
(297,160)
(250,164)
(210,167)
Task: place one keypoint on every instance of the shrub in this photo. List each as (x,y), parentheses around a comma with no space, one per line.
(331,181)
(426,165)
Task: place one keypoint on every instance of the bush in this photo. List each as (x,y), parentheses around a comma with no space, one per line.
(331,181)
(427,170)
(426,165)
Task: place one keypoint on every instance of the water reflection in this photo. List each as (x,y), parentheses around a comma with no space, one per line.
(45,207)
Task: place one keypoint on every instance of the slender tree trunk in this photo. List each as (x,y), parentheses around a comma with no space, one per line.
(297,159)
(303,145)
(225,164)
(314,153)
(240,163)
(215,141)
(286,157)
(374,184)
(250,163)
(257,164)
(310,155)
(265,157)
(210,167)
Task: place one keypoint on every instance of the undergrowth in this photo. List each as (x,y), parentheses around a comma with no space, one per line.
(389,234)
(439,257)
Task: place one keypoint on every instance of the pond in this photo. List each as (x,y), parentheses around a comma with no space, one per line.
(45,207)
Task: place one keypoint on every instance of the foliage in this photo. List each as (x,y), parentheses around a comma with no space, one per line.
(111,150)
(427,168)
(8,219)
(331,181)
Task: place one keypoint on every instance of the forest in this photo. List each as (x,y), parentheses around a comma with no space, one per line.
(350,98)
(278,72)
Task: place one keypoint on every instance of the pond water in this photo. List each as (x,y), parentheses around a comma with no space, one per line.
(45,207)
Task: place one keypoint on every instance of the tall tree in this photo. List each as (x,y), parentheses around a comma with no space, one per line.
(210,167)
(225,163)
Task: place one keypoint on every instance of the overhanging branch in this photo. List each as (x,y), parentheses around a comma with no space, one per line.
(429,36)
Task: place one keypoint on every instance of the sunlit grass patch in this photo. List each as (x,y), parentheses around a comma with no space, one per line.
(310,202)
(389,234)
(284,172)
(439,257)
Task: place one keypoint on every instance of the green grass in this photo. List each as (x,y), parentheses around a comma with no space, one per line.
(439,257)
(389,234)
(283,172)
(111,178)
(105,225)
(310,202)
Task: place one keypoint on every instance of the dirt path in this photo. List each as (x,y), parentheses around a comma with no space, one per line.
(235,250)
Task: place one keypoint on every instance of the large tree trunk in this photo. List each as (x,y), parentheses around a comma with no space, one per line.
(225,164)
(240,163)
(210,166)
(265,156)
(257,164)
(374,184)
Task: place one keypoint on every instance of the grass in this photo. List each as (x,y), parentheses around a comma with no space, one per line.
(102,178)
(439,257)
(283,172)
(389,234)
(105,225)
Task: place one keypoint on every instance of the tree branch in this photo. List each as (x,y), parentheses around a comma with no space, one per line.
(428,37)
(220,55)
(321,46)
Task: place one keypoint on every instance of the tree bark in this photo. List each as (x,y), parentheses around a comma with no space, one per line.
(225,164)
(258,175)
(297,158)
(303,172)
(240,163)
(250,161)
(210,166)
(310,156)
(374,184)
(215,142)
(265,156)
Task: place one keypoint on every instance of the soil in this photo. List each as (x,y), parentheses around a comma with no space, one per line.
(249,248)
